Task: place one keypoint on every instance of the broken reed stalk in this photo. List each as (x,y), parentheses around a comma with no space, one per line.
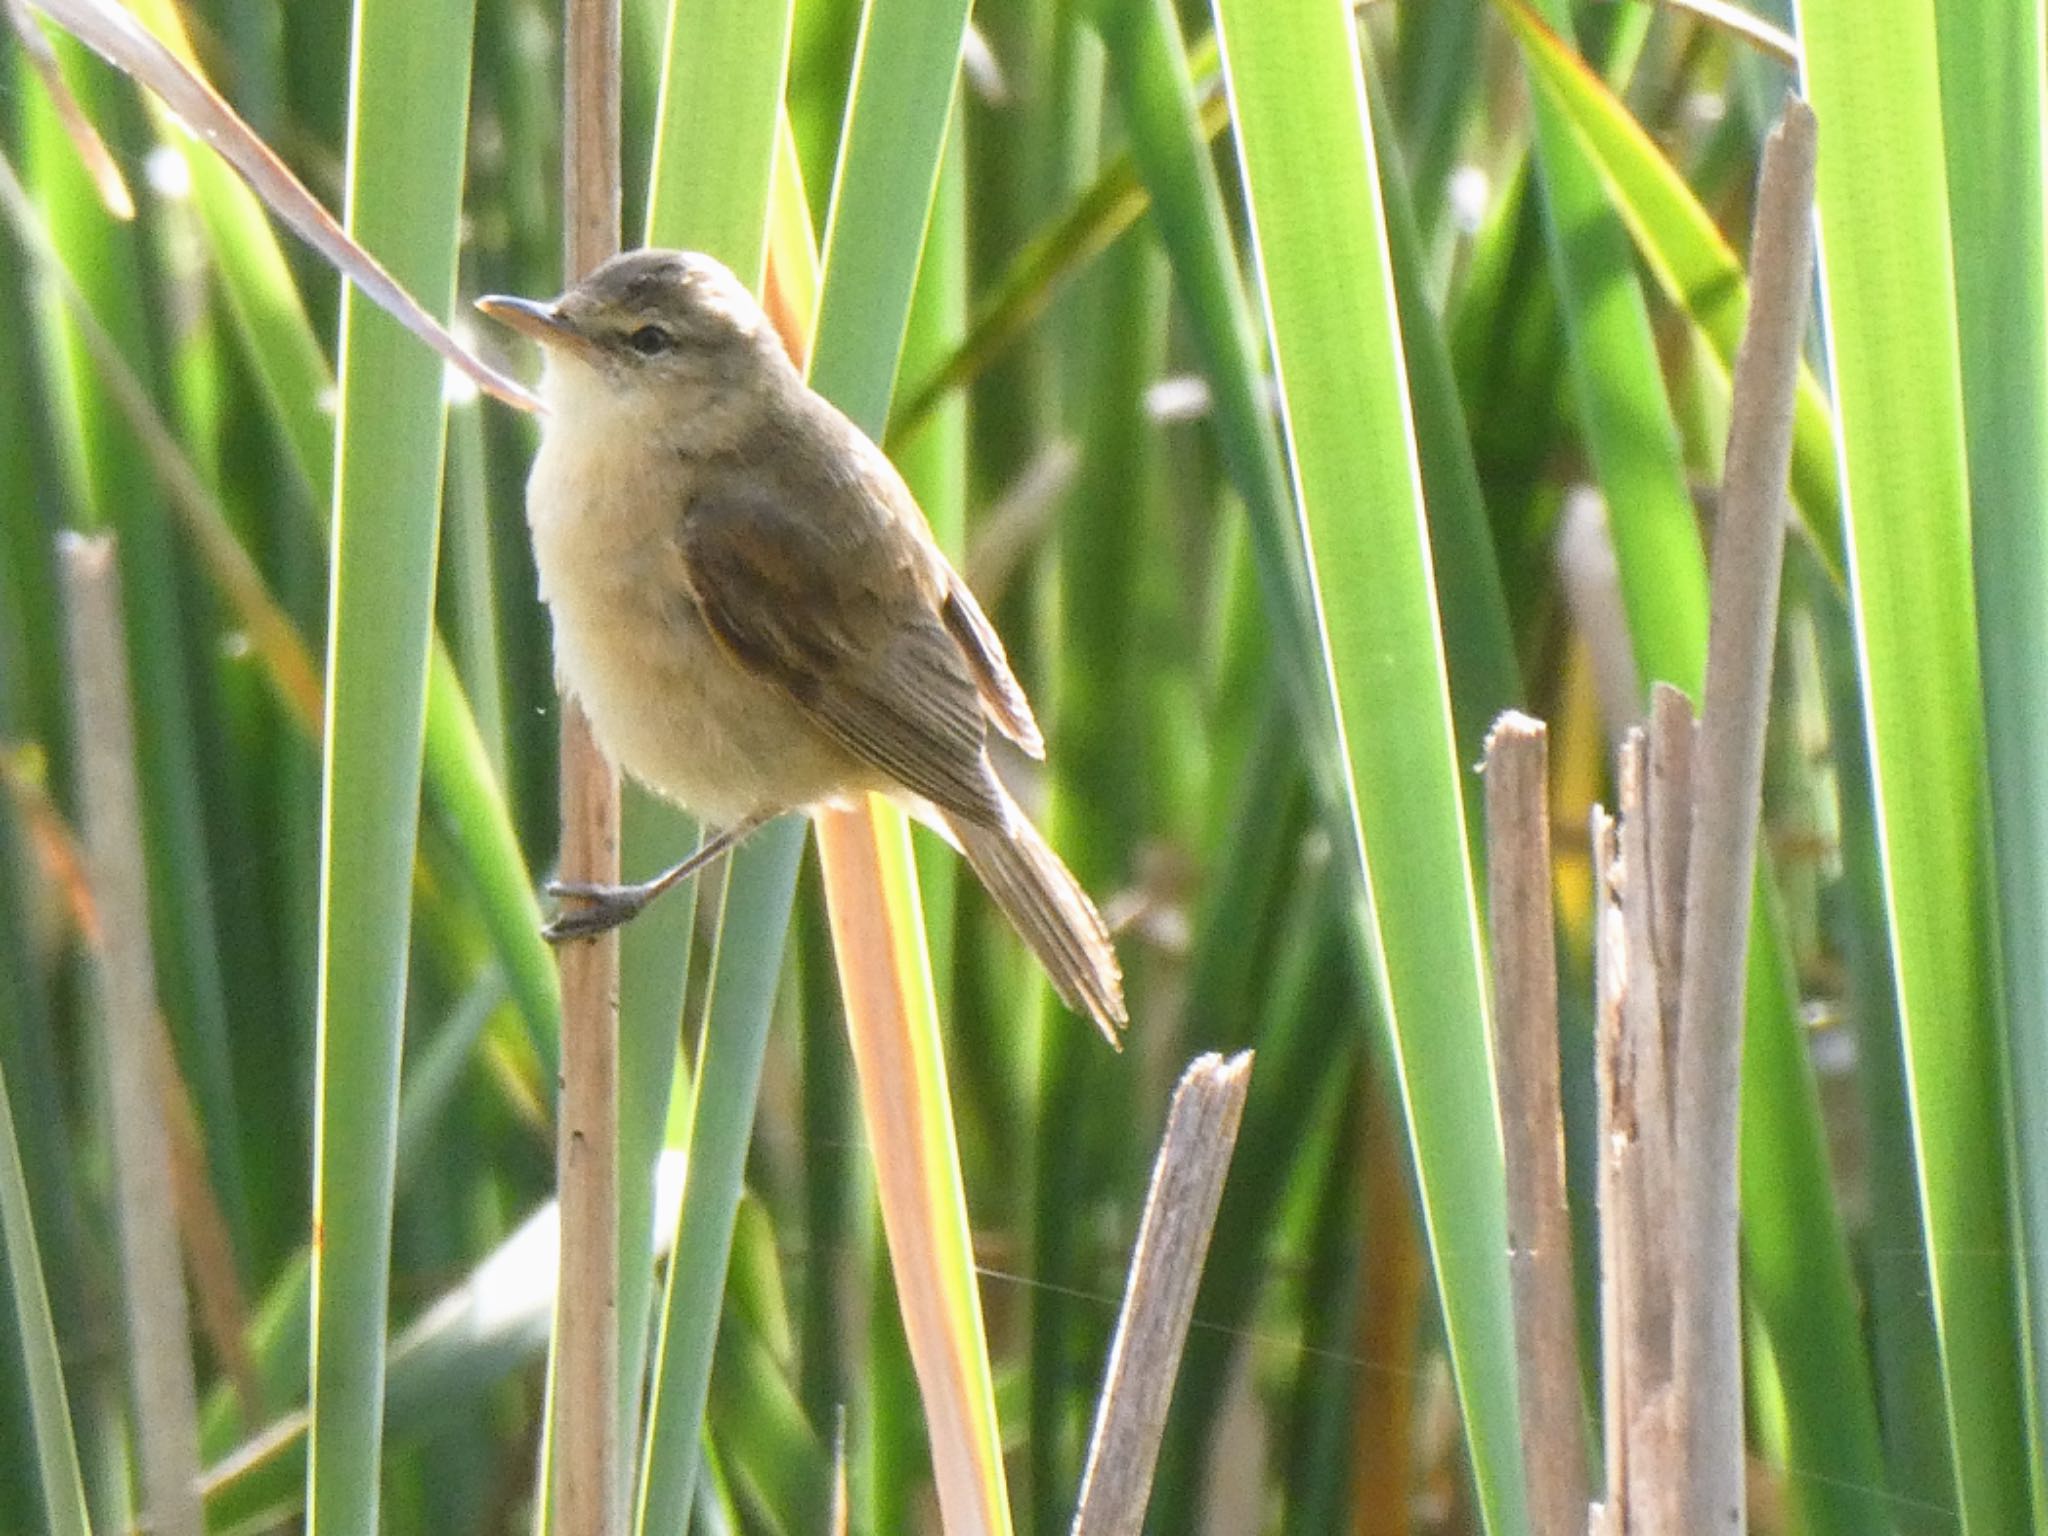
(1647,1067)
(1611,1174)
(1642,1140)
(166,1424)
(585,1461)
(1673,892)
(1159,1299)
(1525,1052)
(1721,864)
(1638,869)
(1673,732)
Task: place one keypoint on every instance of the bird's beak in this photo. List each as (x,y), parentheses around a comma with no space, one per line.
(543,322)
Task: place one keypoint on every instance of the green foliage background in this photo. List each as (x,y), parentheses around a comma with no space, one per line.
(1264,367)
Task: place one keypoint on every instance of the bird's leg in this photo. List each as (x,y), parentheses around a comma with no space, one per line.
(605,907)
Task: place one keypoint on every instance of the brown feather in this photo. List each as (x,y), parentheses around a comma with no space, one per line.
(983,647)
(1053,915)
(821,607)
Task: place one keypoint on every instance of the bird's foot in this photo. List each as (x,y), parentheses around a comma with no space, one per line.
(603,907)
(598,909)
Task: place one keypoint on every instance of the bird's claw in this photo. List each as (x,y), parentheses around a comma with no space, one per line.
(579,925)
(604,907)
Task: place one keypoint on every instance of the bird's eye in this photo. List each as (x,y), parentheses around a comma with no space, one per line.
(650,340)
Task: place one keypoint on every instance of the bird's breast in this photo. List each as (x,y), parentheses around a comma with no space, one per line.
(667,703)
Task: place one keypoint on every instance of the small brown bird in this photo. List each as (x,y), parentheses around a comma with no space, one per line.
(749,605)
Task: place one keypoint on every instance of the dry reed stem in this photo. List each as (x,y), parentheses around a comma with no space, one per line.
(1727,778)
(1642,1079)
(1672,736)
(166,1423)
(587,1466)
(1159,1300)
(1612,1170)
(1521,928)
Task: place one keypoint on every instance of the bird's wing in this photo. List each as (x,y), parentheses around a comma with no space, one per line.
(842,615)
(1001,694)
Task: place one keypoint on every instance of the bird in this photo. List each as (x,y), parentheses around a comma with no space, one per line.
(750,608)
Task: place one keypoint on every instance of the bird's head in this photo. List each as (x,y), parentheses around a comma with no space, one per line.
(664,329)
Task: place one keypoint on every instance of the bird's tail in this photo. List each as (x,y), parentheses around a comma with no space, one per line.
(1052,914)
